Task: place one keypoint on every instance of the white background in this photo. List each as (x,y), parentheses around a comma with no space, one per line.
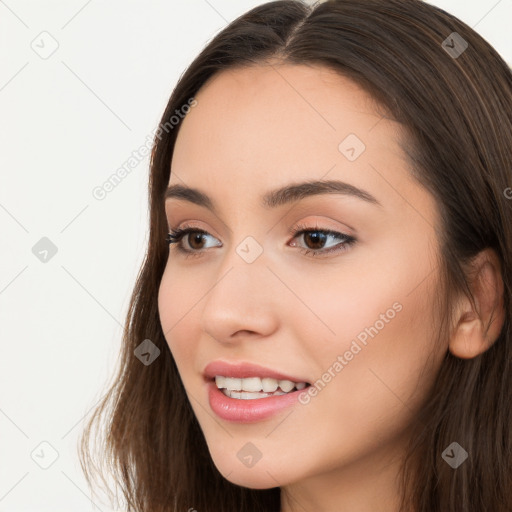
(67,123)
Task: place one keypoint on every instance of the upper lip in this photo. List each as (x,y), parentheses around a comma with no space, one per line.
(242,370)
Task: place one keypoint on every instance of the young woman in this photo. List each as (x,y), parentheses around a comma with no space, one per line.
(323,318)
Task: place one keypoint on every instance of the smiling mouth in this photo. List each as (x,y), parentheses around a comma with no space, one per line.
(255,387)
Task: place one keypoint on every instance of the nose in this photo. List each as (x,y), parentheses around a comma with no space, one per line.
(243,301)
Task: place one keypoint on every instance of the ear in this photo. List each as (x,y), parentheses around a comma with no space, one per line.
(476,330)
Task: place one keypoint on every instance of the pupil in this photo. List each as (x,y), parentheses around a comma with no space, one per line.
(197,237)
(318,236)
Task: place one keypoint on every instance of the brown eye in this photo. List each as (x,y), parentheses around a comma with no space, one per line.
(315,239)
(194,242)
(196,238)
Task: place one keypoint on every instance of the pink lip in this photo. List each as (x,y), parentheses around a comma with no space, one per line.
(248,411)
(244,370)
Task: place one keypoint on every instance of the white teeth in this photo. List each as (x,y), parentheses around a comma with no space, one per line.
(232,383)
(256,384)
(286,385)
(251,384)
(269,385)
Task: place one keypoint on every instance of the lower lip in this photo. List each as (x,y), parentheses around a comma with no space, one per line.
(248,411)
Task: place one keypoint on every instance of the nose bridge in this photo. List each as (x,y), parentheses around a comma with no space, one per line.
(242,273)
(247,241)
(241,296)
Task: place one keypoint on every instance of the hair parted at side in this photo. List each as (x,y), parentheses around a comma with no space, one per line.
(457,117)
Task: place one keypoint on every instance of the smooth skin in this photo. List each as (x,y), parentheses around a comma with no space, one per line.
(259,128)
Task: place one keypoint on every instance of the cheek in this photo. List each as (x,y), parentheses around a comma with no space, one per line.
(176,311)
(370,400)
(374,334)
(166,306)
(384,349)
(383,303)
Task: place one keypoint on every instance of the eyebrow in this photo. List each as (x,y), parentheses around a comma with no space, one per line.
(278,197)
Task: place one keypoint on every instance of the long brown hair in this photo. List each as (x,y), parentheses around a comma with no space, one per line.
(453,96)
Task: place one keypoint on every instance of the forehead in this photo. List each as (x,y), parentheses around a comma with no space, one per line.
(284,108)
(276,104)
(261,127)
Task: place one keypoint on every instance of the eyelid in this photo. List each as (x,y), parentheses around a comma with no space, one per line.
(187,225)
(320,225)
(294,228)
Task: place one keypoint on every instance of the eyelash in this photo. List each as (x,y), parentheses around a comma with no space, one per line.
(176,235)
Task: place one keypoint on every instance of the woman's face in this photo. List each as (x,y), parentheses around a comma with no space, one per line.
(357,323)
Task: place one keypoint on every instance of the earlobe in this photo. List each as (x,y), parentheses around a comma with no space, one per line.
(476,330)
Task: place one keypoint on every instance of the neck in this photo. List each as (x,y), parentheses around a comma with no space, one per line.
(371,483)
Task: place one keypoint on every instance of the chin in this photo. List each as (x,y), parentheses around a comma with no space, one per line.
(259,476)
(253,480)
